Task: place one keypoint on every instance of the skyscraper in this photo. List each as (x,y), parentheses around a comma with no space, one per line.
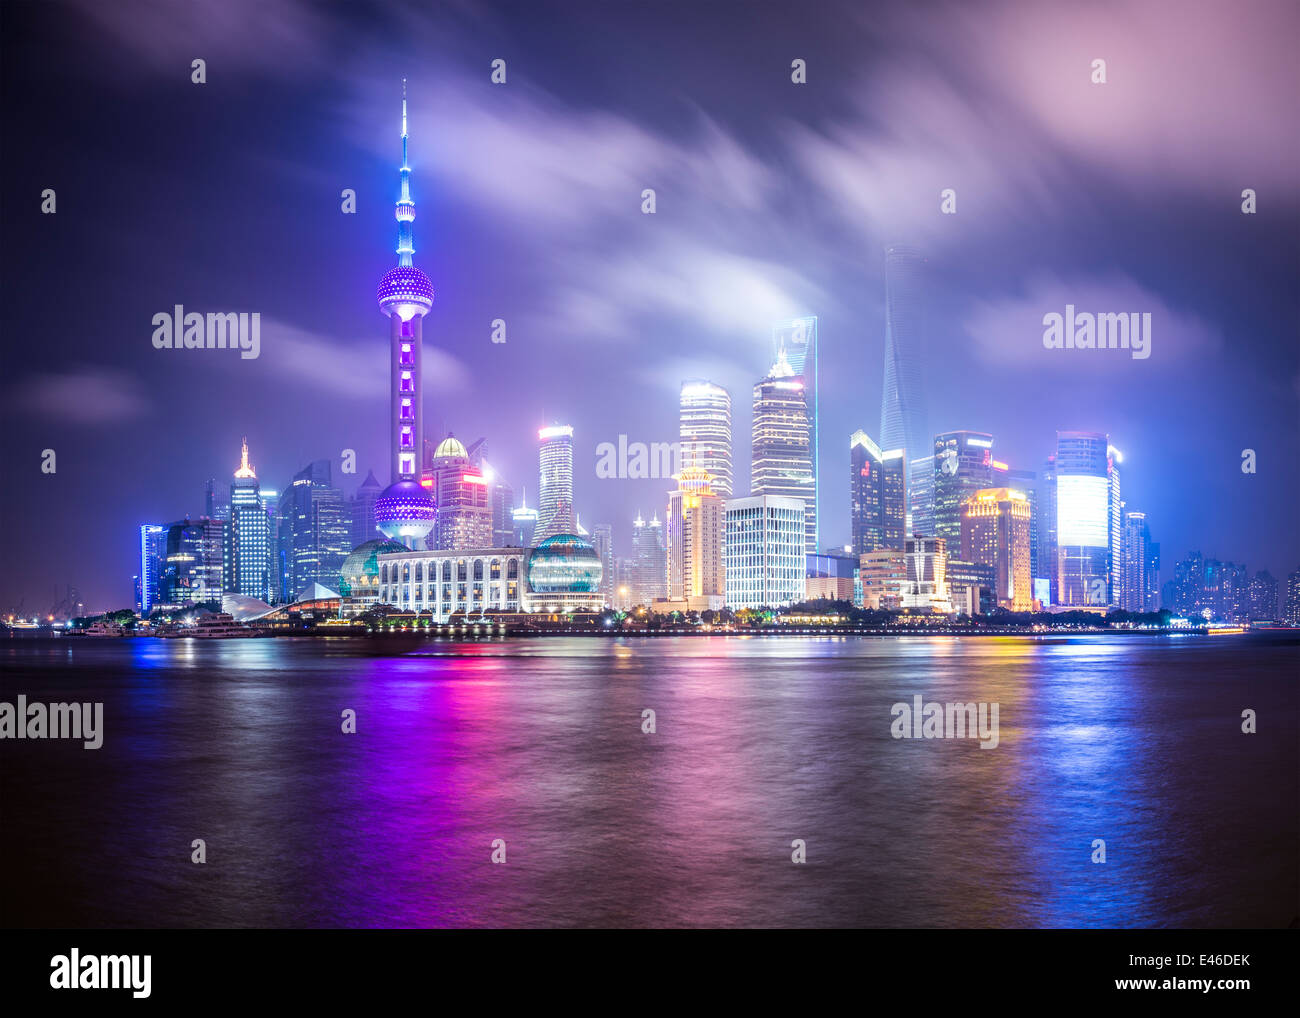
(649,561)
(782,443)
(1292,612)
(362,510)
(705,431)
(250,540)
(193,571)
(925,586)
(602,539)
(555,502)
(798,338)
(405,511)
(1137,560)
(524,521)
(1263,597)
(1116,510)
(463,497)
(995,532)
(315,532)
(920,495)
(153,553)
(1025,481)
(1048,566)
(963,465)
(1083,519)
(766,560)
(877,495)
(903,418)
(695,523)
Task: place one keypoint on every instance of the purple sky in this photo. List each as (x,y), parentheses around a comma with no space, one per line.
(774,199)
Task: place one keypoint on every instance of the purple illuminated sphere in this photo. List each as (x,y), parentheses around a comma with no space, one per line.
(405,290)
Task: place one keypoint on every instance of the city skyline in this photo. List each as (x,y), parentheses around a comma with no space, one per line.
(119,393)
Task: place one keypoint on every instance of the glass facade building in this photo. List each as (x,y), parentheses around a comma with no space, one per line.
(704,429)
(904,421)
(782,463)
(963,465)
(555,513)
(877,495)
(765,548)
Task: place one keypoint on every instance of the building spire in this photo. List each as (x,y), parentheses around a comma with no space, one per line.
(244,469)
(405,206)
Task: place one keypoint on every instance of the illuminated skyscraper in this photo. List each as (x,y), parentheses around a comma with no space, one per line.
(1048,565)
(153,553)
(920,495)
(649,571)
(798,338)
(193,569)
(877,493)
(463,497)
(1025,481)
(925,586)
(1116,512)
(782,443)
(766,557)
(405,511)
(315,534)
(555,503)
(1138,583)
(705,431)
(903,419)
(995,532)
(1083,527)
(963,465)
(362,510)
(602,539)
(525,523)
(250,540)
(694,537)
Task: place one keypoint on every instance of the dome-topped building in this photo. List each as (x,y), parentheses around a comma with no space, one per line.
(359,574)
(564,575)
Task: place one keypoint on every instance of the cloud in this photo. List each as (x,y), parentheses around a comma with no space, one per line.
(1007,332)
(89,395)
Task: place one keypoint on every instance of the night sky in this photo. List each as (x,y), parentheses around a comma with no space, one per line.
(773,199)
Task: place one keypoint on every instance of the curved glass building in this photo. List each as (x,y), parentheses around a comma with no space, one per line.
(564,574)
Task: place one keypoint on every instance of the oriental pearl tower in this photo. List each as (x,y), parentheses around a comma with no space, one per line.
(405,511)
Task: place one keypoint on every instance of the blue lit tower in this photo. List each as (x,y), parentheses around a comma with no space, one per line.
(405,511)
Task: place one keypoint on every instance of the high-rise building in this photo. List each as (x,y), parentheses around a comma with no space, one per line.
(695,521)
(925,585)
(798,338)
(782,443)
(1025,481)
(153,554)
(1083,519)
(1263,597)
(995,532)
(524,521)
(250,540)
(463,497)
(649,561)
(1116,510)
(500,494)
(1047,558)
(904,421)
(765,548)
(1292,612)
(963,465)
(602,539)
(315,532)
(920,495)
(877,495)
(405,510)
(193,570)
(1136,594)
(362,510)
(555,503)
(705,431)
(972,587)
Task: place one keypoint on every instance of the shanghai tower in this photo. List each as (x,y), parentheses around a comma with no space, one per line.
(405,511)
(903,419)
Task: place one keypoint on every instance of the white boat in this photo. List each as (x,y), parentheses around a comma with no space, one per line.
(218,626)
(102,628)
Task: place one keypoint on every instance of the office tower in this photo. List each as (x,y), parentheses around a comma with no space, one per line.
(270,501)
(925,585)
(153,553)
(650,561)
(765,547)
(405,511)
(193,567)
(904,422)
(1047,558)
(1152,593)
(782,450)
(831,575)
(1116,510)
(361,511)
(995,532)
(1263,597)
(963,465)
(694,537)
(555,502)
(250,540)
(1137,560)
(1292,613)
(972,587)
(216,500)
(501,496)
(920,496)
(798,338)
(463,497)
(1083,519)
(315,532)
(524,521)
(877,495)
(705,431)
(881,574)
(1026,482)
(602,539)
